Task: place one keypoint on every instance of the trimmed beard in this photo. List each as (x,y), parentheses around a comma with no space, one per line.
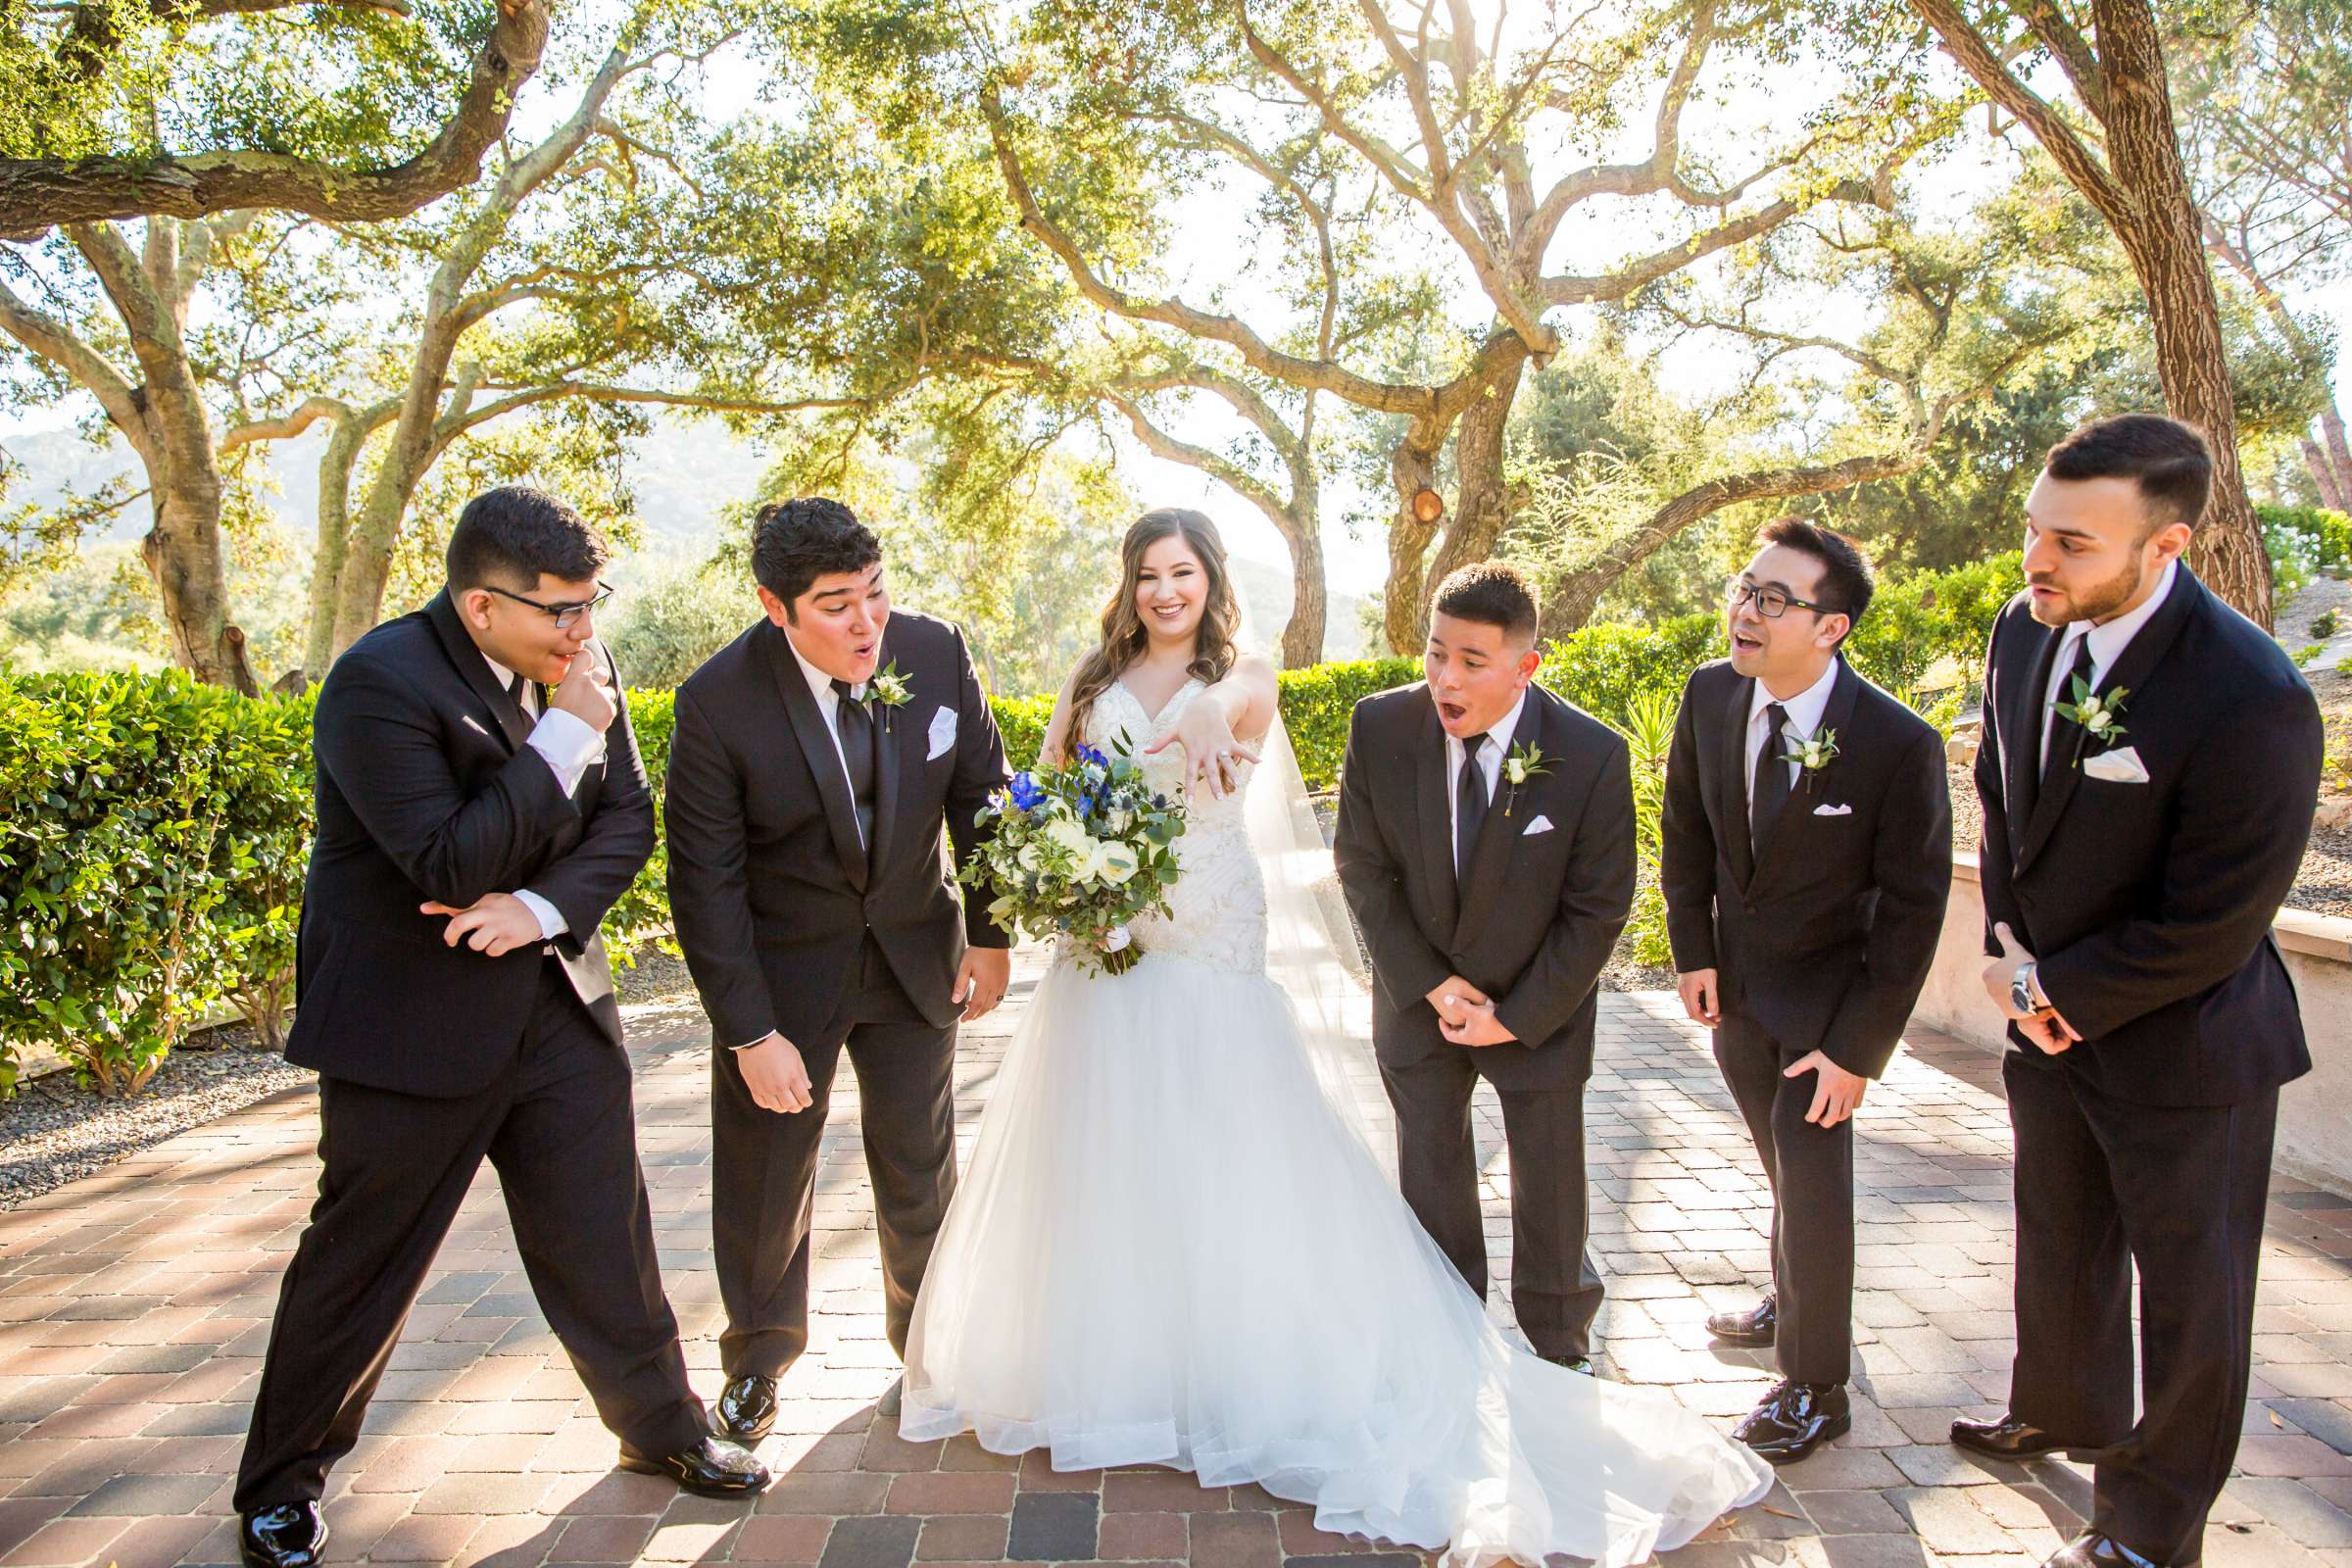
(2104,599)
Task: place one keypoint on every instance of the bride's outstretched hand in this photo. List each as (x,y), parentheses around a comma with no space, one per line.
(1212,755)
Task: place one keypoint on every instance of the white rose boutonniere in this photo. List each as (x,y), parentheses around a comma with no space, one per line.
(1812,754)
(2096,711)
(1524,762)
(888,690)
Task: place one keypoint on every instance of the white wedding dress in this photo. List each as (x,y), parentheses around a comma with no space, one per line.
(1172,1246)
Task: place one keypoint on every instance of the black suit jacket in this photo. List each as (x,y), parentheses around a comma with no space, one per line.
(2149,905)
(1540,911)
(426,789)
(771,896)
(1825,933)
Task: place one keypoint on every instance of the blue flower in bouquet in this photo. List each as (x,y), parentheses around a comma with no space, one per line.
(1026,796)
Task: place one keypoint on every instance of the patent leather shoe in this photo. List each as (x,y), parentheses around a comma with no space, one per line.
(745,1412)
(2006,1439)
(1752,1330)
(1794,1419)
(710,1468)
(2094,1549)
(286,1534)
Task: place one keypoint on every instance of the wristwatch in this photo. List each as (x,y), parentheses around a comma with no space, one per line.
(2026,996)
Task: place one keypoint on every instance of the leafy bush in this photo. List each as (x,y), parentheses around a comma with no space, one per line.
(2310,538)
(1607,668)
(151,833)
(1317,701)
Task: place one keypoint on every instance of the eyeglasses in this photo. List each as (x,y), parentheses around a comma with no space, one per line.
(565,615)
(1772,603)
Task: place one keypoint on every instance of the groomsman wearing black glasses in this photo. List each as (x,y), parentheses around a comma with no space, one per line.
(1807,854)
(481,805)
(2149,768)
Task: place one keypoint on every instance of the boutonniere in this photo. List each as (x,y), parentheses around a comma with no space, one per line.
(1812,756)
(1524,762)
(2095,712)
(888,690)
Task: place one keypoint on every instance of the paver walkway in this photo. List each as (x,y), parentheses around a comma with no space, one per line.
(133,1307)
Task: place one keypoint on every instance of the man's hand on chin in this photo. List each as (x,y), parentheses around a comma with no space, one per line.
(981,981)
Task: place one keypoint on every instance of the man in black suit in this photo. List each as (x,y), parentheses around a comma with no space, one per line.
(815,762)
(473,827)
(1486,845)
(1806,855)
(2149,766)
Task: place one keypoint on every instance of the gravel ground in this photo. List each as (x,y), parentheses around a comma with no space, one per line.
(55,1132)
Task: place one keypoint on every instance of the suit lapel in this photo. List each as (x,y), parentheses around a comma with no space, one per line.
(1837,715)
(1436,818)
(1489,856)
(821,753)
(2130,672)
(891,726)
(1735,764)
(2020,719)
(474,671)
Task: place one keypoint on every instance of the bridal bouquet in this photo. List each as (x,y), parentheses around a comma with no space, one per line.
(1079,851)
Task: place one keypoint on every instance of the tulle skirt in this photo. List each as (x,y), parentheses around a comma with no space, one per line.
(1169,1248)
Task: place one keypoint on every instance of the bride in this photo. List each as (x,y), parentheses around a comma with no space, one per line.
(1176,1243)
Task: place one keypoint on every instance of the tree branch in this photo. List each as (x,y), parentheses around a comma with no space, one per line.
(38,193)
(1975,56)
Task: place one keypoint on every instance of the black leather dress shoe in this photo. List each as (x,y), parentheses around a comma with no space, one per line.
(288,1534)
(2092,1549)
(711,1468)
(1752,1330)
(1794,1419)
(2007,1438)
(747,1412)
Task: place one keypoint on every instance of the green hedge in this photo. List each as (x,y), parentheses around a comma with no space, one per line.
(152,831)
(152,835)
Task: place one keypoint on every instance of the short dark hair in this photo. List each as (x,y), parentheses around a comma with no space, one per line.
(1490,593)
(2170,462)
(797,542)
(514,533)
(1847,580)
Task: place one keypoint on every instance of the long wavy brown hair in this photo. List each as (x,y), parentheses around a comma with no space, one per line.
(1124,637)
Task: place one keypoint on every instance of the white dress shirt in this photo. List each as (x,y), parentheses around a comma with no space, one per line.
(1804,711)
(1489,763)
(2107,644)
(569,745)
(828,703)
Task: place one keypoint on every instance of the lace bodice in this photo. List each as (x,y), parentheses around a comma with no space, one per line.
(1217,908)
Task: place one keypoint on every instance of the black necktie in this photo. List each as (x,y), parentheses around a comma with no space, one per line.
(1469,805)
(514,689)
(857,751)
(1769,791)
(2066,741)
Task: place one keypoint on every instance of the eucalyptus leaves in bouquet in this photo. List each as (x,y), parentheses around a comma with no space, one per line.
(1079,852)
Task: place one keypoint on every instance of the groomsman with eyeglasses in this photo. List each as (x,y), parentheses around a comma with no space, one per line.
(2149,768)
(1806,859)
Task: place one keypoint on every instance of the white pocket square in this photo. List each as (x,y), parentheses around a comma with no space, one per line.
(1834,810)
(2119,766)
(1539,825)
(943,733)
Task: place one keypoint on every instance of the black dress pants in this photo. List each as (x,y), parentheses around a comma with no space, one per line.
(1555,1290)
(560,1129)
(764,1165)
(1811,1171)
(2178,1190)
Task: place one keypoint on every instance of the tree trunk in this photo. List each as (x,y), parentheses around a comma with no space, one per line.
(2161,234)
(1413,468)
(1481,505)
(2322,474)
(1302,636)
(2339,454)
(183,554)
